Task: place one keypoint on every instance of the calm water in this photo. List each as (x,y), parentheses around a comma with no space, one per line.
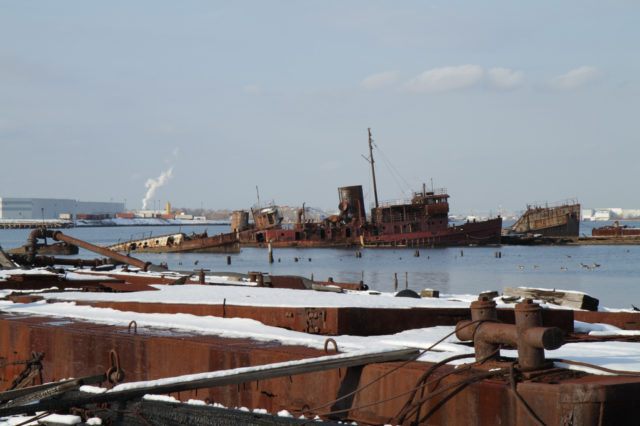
(450,270)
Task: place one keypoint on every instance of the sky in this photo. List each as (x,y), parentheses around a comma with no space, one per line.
(197,103)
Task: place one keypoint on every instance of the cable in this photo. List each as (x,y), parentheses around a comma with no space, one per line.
(519,398)
(421,385)
(461,385)
(413,358)
(414,407)
(596,367)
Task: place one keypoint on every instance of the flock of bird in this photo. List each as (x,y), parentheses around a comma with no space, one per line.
(564,268)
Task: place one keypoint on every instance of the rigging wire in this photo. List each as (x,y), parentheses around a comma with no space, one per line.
(395,174)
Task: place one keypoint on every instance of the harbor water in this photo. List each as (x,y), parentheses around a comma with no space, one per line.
(608,273)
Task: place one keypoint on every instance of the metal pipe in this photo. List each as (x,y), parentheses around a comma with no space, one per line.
(59,236)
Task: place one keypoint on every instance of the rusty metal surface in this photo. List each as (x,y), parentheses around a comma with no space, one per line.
(624,320)
(562,220)
(180,243)
(76,349)
(615,230)
(335,321)
(286,281)
(40,282)
(347,286)
(122,287)
(352,203)
(55,249)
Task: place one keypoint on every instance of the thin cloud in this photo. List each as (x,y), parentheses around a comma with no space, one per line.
(574,79)
(379,80)
(331,165)
(445,79)
(253,90)
(505,78)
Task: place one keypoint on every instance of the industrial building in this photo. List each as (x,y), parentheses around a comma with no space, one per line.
(54,208)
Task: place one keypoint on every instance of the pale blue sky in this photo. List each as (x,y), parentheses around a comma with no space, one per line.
(501,102)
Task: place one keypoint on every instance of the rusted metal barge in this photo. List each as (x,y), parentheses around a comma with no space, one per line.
(375,386)
(121,331)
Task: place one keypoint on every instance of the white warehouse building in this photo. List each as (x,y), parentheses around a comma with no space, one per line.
(53,208)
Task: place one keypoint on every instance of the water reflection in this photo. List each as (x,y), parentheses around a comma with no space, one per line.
(449,270)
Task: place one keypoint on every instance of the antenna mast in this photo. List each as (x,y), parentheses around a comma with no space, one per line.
(373,171)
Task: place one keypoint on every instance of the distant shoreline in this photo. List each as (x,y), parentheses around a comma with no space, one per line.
(103,223)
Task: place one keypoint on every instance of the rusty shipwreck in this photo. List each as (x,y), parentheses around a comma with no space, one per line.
(616,231)
(561,220)
(422,221)
(180,242)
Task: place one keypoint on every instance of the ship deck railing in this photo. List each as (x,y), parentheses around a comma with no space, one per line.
(546,204)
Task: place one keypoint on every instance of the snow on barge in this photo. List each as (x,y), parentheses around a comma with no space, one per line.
(128,335)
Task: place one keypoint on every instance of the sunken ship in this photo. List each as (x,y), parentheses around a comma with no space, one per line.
(559,220)
(422,221)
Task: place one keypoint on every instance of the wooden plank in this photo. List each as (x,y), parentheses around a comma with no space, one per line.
(571,299)
(217,378)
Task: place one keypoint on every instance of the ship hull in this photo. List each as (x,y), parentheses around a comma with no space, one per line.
(471,233)
(615,231)
(180,243)
(560,221)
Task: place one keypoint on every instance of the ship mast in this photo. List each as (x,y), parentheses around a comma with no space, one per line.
(373,171)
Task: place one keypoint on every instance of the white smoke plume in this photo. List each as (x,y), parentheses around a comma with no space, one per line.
(153,184)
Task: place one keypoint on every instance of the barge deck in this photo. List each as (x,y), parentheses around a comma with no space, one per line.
(228,327)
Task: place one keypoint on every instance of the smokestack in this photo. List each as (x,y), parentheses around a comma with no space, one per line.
(168,208)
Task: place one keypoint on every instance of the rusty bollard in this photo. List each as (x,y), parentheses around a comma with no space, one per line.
(528,334)
(533,339)
(483,309)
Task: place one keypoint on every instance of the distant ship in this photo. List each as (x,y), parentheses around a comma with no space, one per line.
(616,230)
(562,220)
